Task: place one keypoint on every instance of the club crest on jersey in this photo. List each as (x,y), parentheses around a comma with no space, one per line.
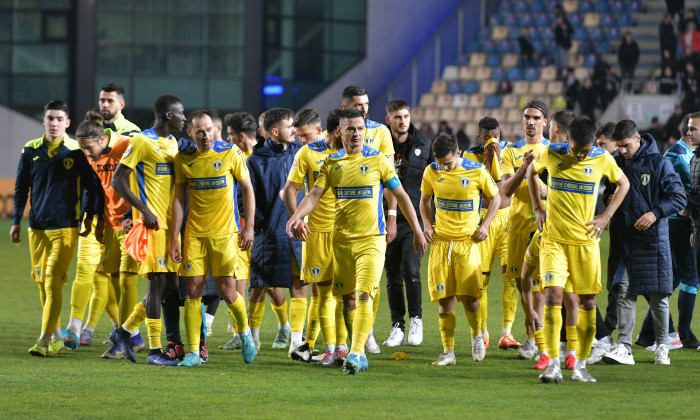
(369,140)
(514,269)
(440,288)
(37,272)
(364,169)
(417,152)
(161,262)
(536,283)
(645,179)
(588,170)
(465,181)
(68,163)
(127,152)
(315,271)
(338,284)
(548,277)
(217,164)
(188,267)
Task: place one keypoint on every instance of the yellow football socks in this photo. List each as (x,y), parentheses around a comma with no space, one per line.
(510,303)
(474,321)
(81,289)
(540,340)
(297,314)
(552,329)
(193,323)
(484,303)
(341,330)
(362,324)
(256,310)
(348,320)
(447,323)
(153,326)
(586,332)
(127,294)
(136,318)
(571,338)
(51,315)
(326,314)
(100,293)
(281,313)
(236,310)
(375,304)
(312,327)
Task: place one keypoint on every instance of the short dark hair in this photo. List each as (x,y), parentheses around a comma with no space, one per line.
(684,124)
(332,120)
(242,122)
(623,130)
(605,130)
(113,87)
(352,91)
(488,123)
(214,114)
(163,103)
(444,144)
(563,120)
(538,105)
(274,116)
(91,127)
(56,106)
(308,117)
(349,113)
(197,114)
(396,105)
(582,131)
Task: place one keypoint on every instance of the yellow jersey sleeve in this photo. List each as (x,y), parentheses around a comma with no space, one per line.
(299,168)
(237,159)
(611,170)
(180,177)
(378,137)
(488,185)
(508,161)
(134,153)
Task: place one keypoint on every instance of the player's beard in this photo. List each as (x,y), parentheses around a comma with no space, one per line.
(108,116)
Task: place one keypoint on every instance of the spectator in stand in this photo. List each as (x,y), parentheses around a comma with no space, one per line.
(667,81)
(586,98)
(691,37)
(668,59)
(571,88)
(527,51)
(657,131)
(504,88)
(685,19)
(667,36)
(673,124)
(562,41)
(427,131)
(612,85)
(628,55)
(463,140)
(675,7)
(444,128)
(600,79)
(689,82)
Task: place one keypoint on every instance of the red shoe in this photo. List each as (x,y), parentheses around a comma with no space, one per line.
(542,363)
(486,340)
(570,361)
(508,342)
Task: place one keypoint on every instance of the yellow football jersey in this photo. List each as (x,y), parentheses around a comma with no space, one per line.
(247,154)
(573,190)
(377,136)
(212,180)
(358,182)
(152,181)
(457,197)
(476,154)
(305,170)
(522,217)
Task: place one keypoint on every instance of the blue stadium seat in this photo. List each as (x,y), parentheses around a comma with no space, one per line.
(514,32)
(521,6)
(510,19)
(590,60)
(537,6)
(526,19)
(488,46)
(624,20)
(618,6)
(505,46)
(635,6)
(495,19)
(515,73)
(485,32)
(471,87)
(580,34)
(576,20)
(585,6)
(493,60)
(613,33)
(543,19)
(586,47)
(474,46)
(454,87)
(596,33)
(602,6)
(602,47)
(546,32)
(608,20)
(498,73)
(493,101)
(538,45)
(532,73)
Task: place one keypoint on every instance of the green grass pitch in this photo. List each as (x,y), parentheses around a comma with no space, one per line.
(80,384)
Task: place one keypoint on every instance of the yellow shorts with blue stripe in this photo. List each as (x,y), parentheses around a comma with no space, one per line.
(517,245)
(577,264)
(203,253)
(157,256)
(50,252)
(496,243)
(89,250)
(115,259)
(317,258)
(454,269)
(358,265)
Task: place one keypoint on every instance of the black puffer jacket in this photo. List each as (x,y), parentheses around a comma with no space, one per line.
(418,154)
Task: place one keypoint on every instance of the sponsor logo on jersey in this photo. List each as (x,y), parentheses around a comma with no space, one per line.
(569,185)
(68,163)
(164,168)
(347,193)
(441,179)
(212,183)
(455,205)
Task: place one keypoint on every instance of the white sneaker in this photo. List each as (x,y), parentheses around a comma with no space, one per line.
(371,345)
(599,349)
(551,374)
(445,359)
(619,355)
(415,331)
(478,349)
(396,337)
(674,342)
(293,345)
(582,375)
(661,355)
(527,351)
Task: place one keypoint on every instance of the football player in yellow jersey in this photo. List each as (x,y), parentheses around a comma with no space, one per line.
(521,220)
(211,176)
(150,158)
(489,153)
(377,136)
(357,176)
(307,125)
(316,252)
(240,129)
(454,265)
(570,252)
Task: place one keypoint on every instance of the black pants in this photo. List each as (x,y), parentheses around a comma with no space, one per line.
(402,265)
